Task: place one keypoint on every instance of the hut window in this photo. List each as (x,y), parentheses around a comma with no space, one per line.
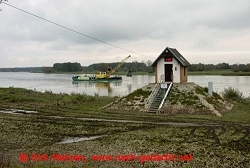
(168,59)
(175,68)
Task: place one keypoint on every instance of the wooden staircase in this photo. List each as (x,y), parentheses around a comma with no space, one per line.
(157,98)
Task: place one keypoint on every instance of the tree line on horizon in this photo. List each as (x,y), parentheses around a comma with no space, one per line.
(127,66)
(76,67)
(233,67)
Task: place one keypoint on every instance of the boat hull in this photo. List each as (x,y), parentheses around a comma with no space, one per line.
(90,78)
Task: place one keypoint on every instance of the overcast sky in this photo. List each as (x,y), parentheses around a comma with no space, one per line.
(203,31)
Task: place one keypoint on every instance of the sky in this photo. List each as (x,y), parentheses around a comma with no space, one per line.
(95,31)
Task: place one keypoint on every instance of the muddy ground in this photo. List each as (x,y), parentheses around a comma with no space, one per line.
(115,138)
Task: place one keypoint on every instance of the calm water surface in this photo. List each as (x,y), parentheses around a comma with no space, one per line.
(62,83)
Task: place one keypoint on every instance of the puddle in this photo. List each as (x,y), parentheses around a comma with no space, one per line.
(17,111)
(78,139)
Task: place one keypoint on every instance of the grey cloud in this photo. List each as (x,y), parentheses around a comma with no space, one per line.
(227,15)
(186,24)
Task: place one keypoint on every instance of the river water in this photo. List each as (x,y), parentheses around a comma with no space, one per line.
(62,83)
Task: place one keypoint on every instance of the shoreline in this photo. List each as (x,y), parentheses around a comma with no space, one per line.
(191,73)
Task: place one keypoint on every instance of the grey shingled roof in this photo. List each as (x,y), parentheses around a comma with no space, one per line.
(175,54)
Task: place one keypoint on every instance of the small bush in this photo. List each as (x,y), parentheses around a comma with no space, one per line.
(96,95)
(195,97)
(217,96)
(232,94)
(206,89)
(48,92)
(79,98)
(200,90)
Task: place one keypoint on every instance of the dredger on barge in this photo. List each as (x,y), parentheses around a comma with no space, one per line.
(102,76)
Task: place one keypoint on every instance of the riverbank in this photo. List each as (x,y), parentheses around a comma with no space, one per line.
(205,140)
(209,72)
(219,72)
(222,72)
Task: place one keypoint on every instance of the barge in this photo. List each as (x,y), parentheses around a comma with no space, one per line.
(94,79)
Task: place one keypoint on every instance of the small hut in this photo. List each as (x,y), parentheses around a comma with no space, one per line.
(170,66)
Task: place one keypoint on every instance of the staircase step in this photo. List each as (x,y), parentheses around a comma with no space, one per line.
(154,107)
(158,97)
(156,104)
(154,110)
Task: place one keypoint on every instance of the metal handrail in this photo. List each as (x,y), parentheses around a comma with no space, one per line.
(152,96)
(165,96)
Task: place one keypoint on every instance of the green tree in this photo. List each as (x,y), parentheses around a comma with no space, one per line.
(67,67)
(47,69)
(200,67)
(223,66)
(125,69)
(102,67)
(57,67)
(134,66)
(246,68)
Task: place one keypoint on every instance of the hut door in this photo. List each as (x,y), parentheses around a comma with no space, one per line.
(168,72)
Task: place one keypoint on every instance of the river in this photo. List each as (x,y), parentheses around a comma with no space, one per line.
(62,83)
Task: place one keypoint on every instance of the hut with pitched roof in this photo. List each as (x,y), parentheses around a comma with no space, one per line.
(170,67)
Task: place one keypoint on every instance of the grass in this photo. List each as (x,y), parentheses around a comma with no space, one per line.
(232,94)
(213,141)
(240,114)
(185,98)
(4,161)
(49,102)
(138,92)
(200,90)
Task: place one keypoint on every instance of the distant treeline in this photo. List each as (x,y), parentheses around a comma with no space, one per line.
(22,69)
(234,67)
(128,66)
(67,67)
(76,67)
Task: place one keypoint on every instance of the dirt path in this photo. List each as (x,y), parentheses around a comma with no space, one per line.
(143,122)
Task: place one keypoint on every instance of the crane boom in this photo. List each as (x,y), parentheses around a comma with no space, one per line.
(119,65)
(107,74)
